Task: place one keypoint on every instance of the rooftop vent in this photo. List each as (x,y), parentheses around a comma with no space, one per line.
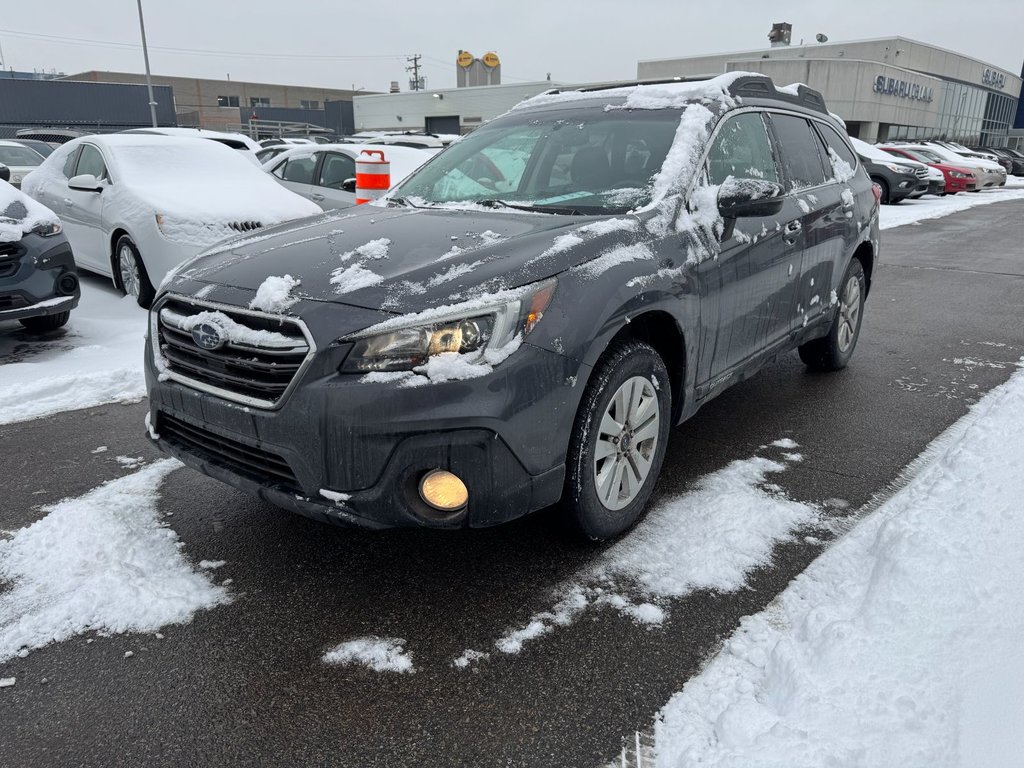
(780,34)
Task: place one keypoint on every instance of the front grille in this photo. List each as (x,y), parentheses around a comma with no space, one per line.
(11,249)
(8,268)
(922,173)
(245,460)
(257,364)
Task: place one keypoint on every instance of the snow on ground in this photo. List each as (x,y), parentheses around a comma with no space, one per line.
(96,360)
(708,538)
(101,562)
(930,207)
(381,654)
(900,645)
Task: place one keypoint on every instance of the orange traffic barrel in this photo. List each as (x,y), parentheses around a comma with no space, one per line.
(373,175)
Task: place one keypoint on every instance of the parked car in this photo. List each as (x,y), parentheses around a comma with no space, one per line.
(977,154)
(237,141)
(38,282)
(988,174)
(50,135)
(897,180)
(325,173)
(527,315)
(1015,160)
(957,178)
(42,147)
(135,206)
(20,159)
(266,154)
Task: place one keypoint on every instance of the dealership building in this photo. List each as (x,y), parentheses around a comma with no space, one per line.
(885,89)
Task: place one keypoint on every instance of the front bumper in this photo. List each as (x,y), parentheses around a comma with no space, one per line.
(368,444)
(37,278)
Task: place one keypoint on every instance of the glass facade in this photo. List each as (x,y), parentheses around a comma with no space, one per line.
(968,115)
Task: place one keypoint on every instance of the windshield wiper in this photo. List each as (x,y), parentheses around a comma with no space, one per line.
(494,203)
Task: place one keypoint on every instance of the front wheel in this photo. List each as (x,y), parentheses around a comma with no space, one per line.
(618,441)
(833,352)
(131,272)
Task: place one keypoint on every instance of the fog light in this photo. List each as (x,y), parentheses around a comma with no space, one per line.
(443,491)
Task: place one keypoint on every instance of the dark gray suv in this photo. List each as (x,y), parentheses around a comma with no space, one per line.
(522,321)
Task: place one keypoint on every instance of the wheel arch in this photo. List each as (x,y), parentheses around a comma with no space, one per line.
(660,329)
(115,235)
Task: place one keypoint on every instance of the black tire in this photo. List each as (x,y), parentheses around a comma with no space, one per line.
(126,248)
(583,510)
(828,352)
(45,323)
(886,198)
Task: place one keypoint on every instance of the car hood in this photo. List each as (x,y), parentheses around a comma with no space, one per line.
(411,259)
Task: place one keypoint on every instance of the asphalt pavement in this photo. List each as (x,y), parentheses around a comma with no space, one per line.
(244,684)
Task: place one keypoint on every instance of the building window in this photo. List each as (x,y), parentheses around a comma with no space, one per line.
(310,104)
(227,101)
(259,101)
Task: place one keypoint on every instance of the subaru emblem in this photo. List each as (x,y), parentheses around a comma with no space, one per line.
(208,336)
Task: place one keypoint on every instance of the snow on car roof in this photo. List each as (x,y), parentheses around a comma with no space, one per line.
(20,214)
(202,133)
(869,150)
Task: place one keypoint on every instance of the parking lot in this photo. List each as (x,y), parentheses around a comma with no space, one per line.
(525,648)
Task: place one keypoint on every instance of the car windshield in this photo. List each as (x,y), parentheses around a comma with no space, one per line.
(569,161)
(19,156)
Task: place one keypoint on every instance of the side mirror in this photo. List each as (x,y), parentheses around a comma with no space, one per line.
(5,173)
(85,182)
(348,185)
(738,198)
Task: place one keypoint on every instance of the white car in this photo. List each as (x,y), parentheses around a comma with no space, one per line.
(989,173)
(325,173)
(136,206)
(20,159)
(237,141)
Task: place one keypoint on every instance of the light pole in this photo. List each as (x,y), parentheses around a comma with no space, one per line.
(145,55)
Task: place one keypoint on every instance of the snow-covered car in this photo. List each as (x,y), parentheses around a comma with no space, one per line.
(325,173)
(136,206)
(237,141)
(20,159)
(38,282)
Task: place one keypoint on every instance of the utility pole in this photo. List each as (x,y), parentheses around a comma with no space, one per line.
(415,84)
(145,55)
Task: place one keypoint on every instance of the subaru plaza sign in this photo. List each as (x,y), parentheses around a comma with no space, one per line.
(993,77)
(904,89)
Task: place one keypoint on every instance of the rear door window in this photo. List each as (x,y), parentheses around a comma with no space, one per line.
(297,169)
(741,149)
(798,149)
(839,152)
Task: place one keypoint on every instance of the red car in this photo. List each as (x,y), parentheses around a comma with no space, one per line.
(958,179)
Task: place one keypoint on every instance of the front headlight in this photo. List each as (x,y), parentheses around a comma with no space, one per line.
(48,228)
(899,168)
(472,329)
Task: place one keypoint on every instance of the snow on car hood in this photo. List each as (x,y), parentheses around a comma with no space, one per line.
(412,259)
(20,214)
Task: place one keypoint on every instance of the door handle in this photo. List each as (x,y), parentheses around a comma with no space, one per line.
(68,201)
(316,196)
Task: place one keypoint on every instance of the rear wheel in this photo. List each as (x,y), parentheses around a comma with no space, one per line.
(131,272)
(833,352)
(45,322)
(618,441)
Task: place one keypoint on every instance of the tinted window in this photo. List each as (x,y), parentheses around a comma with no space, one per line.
(297,169)
(741,149)
(837,145)
(91,161)
(798,146)
(336,169)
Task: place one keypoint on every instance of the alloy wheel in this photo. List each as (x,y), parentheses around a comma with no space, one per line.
(626,442)
(129,269)
(849,313)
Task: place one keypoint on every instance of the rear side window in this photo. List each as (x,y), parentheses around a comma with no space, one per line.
(837,146)
(798,147)
(741,149)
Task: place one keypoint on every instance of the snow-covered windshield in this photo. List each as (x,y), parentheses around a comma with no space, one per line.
(587,162)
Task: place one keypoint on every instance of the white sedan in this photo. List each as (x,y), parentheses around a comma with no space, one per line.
(20,159)
(136,206)
(326,173)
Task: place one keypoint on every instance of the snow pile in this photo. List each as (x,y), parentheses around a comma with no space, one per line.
(913,211)
(708,538)
(102,562)
(901,644)
(96,360)
(20,214)
(381,654)
(274,294)
(232,331)
(375,249)
(355,276)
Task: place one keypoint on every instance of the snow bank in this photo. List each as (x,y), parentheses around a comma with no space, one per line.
(20,214)
(900,645)
(101,562)
(708,538)
(96,360)
(274,294)
(913,211)
(381,654)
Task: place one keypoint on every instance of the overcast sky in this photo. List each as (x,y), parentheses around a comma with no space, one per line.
(332,43)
